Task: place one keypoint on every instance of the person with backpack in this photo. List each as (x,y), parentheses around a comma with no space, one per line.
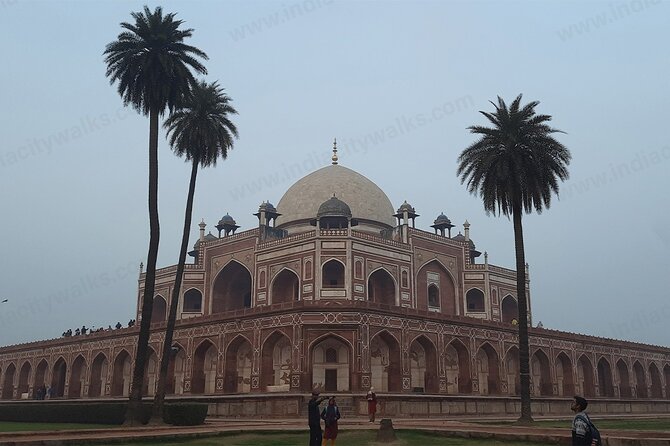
(584,433)
(330,415)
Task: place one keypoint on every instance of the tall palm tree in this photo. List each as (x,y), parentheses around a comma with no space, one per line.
(152,66)
(514,167)
(202,132)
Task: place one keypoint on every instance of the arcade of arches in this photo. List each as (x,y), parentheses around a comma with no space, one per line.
(329,364)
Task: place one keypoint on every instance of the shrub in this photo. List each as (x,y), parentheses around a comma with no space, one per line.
(185,414)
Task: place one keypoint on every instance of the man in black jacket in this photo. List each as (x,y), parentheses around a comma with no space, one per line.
(314,418)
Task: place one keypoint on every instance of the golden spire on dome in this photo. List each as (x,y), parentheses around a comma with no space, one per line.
(334,157)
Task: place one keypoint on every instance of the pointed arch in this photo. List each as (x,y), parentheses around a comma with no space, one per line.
(285,287)
(58,378)
(331,376)
(423,364)
(231,289)
(585,376)
(605,382)
(488,373)
(40,381)
(121,374)
(276,361)
(98,380)
(656,387)
(151,371)
(565,378)
(77,377)
(192,301)
(8,382)
(433,272)
(176,370)
(457,359)
(382,287)
(24,379)
(640,380)
(512,369)
(203,379)
(475,302)
(332,273)
(238,362)
(509,309)
(159,312)
(385,371)
(625,390)
(541,373)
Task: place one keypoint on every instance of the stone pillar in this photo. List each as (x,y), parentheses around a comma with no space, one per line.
(256,359)
(297,381)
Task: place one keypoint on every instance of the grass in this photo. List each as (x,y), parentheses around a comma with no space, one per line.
(652,424)
(11,426)
(348,438)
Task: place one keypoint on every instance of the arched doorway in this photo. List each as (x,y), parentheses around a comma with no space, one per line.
(176,371)
(24,380)
(423,366)
(192,301)
(605,378)
(585,376)
(540,374)
(150,373)
(232,288)
(564,377)
(510,309)
(238,366)
(285,287)
(331,365)
(487,370)
(332,274)
(433,273)
(58,379)
(204,368)
(98,381)
(457,364)
(8,382)
(640,380)
(656,385)
(276,363)
(381,288)
(159,311)
(40,377)
(385,363)
(121,374)
(624,379)
(474,300)
(77,377)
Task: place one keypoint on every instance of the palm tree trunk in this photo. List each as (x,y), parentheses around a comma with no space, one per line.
(524,354)
(159,399)
(133,414)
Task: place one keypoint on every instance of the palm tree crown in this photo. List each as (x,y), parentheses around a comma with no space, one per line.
(151,62)
(201,129)
(517,162)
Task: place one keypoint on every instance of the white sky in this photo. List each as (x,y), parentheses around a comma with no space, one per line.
(397,83)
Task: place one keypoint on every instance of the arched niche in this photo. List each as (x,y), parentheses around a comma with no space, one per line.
(285,287)
(457,365)
(381,288)
(385,363)
(232,288)
(328,374)
(434,273)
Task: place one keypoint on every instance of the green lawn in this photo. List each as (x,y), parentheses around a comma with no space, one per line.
(10,426)
(655,424)
(348,438)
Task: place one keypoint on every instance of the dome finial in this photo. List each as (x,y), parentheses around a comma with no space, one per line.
(334,157)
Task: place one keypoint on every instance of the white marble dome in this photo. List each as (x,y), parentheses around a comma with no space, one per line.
(368,203)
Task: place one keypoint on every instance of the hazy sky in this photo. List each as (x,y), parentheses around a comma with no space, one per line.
(397,83)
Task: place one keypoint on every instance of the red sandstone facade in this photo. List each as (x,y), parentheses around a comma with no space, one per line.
(342,301)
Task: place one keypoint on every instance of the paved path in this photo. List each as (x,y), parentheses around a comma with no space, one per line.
(460,428)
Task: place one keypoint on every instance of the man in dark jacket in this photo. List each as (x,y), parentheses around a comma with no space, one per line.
(314,418)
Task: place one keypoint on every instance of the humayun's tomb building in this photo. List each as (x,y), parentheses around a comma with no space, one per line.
(337,290)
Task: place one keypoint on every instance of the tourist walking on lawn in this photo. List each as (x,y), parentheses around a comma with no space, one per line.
(372,404)
(330,415)
(584,433)
(314,419)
